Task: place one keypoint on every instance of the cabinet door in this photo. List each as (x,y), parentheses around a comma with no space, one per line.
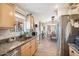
(30,20)
(26,52)
(7,15)
(33,47)
(25,49)
(36,45)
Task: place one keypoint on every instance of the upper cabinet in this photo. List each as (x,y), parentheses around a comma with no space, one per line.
(30,20)
(7,18)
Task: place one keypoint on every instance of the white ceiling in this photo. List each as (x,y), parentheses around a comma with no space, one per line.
(44,10)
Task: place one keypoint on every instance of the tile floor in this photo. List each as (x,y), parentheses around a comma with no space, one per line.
(46,47)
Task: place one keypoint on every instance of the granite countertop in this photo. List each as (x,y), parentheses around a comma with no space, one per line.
(6,47)
(74,46)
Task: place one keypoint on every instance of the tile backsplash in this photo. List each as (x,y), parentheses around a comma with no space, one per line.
(4,34)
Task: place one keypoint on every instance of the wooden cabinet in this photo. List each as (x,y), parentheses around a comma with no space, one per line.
(7,18)
(72,52)
(30,20)
(29,48)
(36,44)
(33,46)
(25,49)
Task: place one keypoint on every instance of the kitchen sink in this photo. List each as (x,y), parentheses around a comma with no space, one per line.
(22,38)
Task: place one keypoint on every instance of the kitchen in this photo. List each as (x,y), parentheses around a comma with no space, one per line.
(14,40)
(21,29)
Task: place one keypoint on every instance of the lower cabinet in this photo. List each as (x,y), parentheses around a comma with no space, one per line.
(25,49)
(33,46)
(29,48)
